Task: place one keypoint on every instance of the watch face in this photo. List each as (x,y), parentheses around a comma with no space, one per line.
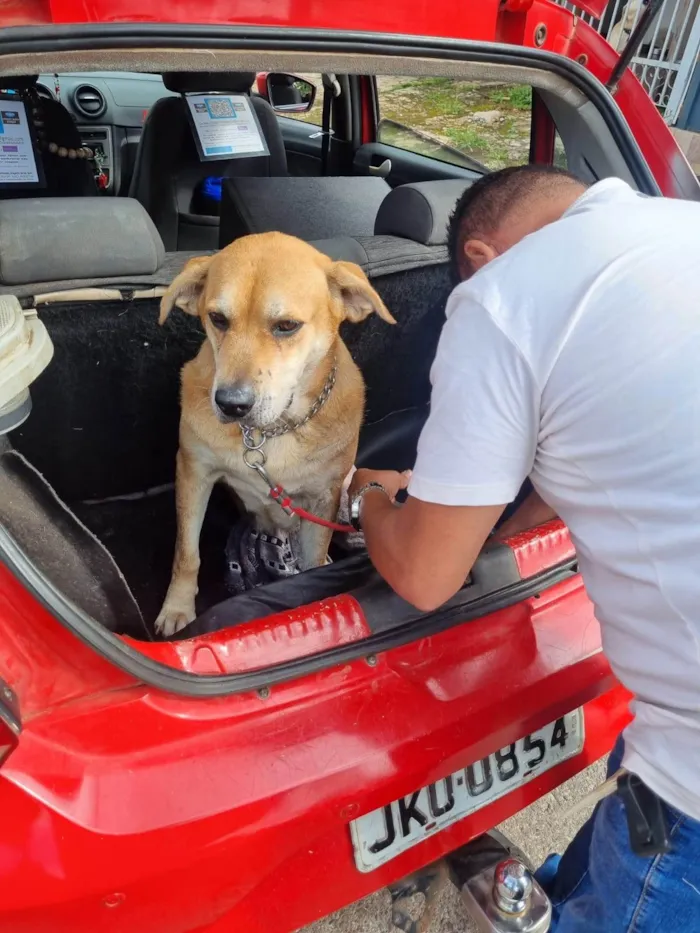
(355,512)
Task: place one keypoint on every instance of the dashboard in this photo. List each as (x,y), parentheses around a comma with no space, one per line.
(109,108)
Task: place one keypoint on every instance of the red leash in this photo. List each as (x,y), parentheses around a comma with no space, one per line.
(281,498)
(278,492)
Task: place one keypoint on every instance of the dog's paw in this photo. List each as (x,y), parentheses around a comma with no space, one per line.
(171,620)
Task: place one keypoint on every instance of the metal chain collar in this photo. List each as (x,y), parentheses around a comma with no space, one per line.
(281,426)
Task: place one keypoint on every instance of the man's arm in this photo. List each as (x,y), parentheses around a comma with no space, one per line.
(532,512)
(476,449)
(424,551)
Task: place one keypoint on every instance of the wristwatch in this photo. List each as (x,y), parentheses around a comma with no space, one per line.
(356,502)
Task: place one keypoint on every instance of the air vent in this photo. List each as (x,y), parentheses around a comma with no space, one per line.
(43,92)
(89,101)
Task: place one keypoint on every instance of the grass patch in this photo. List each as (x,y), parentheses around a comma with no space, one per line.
(424,83)
(440,108)
(516,97)
(478,144)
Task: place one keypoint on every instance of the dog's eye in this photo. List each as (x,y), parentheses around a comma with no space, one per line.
(219,320)
(285,328)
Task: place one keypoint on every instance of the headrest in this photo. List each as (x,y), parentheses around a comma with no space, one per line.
(420,211)
(204,82)
(311,208)
(52,239)
(18,82)
(341,247)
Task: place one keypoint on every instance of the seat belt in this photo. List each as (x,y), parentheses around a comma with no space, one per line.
(331,91)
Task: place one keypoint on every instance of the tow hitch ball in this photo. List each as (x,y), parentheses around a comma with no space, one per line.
(498,889)
(495,883)
(507,899)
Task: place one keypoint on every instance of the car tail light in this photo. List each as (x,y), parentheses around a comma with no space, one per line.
(10,723)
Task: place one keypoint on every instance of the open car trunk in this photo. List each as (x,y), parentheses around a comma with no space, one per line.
(99,446)
(103,436)
(103,430)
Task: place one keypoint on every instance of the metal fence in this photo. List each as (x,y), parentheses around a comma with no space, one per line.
(668,52)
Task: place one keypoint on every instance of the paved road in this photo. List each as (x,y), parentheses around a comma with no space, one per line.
(542,828)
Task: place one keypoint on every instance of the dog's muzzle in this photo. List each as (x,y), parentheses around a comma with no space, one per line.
(234,401)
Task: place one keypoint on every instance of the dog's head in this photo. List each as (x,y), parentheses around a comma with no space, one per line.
(271,306)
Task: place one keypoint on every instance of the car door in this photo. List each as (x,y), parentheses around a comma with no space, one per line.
(439,128)
(301,132)
(302,143)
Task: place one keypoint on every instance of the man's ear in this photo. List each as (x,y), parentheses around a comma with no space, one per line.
(479,253)
(186,288)
(350,287)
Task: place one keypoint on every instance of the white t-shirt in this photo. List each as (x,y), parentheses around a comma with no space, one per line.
(574,359)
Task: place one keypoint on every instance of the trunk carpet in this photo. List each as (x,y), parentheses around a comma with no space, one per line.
(105,418)
(140,535)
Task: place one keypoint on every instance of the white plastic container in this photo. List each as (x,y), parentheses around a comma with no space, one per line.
(25,351)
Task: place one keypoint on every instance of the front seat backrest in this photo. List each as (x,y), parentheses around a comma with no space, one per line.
(169,172)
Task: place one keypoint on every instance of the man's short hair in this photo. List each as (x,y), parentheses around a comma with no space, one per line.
(484,205)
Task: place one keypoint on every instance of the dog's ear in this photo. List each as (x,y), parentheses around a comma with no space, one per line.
(350,286)
(185,288)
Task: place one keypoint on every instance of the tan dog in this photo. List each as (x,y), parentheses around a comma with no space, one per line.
(271,306)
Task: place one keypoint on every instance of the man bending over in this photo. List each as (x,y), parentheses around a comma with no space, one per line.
(571,355)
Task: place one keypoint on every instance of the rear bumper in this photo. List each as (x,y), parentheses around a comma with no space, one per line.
(339,883)
(136,809)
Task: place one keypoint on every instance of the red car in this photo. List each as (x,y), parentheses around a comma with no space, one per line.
(309,743)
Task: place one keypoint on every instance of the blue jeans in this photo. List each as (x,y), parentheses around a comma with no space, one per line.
(600,886)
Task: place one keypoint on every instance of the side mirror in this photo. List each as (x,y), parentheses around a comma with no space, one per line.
(289,93)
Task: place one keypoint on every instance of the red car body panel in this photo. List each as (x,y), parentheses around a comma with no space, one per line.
(128,808)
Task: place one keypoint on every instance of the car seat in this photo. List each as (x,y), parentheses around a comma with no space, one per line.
(53,124)
(169,173)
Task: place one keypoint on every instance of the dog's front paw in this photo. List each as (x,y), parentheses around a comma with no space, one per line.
(173,618)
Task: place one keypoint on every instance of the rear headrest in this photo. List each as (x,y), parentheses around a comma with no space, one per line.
(203,82)
(311,208)
(420,211)
(51,239)
(341,247)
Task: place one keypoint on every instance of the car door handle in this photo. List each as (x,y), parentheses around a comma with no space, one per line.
(380,171)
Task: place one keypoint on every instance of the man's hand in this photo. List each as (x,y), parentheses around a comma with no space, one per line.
(392,481)
(424,551)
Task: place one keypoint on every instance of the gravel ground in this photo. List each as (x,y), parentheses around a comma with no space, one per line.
(540,829)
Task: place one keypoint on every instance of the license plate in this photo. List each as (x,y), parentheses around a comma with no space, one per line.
(383,834)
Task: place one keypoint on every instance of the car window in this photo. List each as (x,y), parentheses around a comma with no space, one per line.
(460,122)
(560,159)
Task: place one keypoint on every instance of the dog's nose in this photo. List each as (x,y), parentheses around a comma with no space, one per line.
(235,401)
